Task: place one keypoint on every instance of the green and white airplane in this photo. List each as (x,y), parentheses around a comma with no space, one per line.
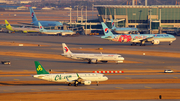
(70,78)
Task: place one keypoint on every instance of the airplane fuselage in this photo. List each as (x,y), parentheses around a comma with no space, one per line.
(62,32)
(71,76)
(137,37)
(48,23)
(97,57)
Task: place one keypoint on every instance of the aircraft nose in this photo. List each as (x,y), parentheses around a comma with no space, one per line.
(121,58)
(106,78)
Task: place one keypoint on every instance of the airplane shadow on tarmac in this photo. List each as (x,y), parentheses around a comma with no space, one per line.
(38,84)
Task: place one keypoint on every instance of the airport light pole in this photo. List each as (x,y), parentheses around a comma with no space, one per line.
(92,10)
(77,12)
(81,13)
(150,21)
(70,15)
(86,20)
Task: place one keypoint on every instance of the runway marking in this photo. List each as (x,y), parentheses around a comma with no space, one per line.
(62,88)
(175,77)
(100,69)
(35,90)
(119,87)
(127,77)
(90,88)
(8,91)
(25,70)
(16,79)
(147,87)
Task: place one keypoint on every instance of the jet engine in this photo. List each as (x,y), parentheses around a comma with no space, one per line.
(94,60)
(155,42)
(87,82)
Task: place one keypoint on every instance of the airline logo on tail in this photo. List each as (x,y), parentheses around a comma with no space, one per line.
(39,68)
(40,27)
(106,30)
(66,49)
(32,15)
(112,24)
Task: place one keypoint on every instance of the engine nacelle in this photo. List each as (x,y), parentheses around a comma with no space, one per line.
(87,82)
(94,61)
(155,42)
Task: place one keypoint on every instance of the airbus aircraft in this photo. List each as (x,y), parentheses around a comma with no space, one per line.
(70,78)
(21,28)
(44,23)
(137,38)
(92,58)
(62,32)
(124,30)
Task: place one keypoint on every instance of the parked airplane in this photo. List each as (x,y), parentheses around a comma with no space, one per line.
(44,23)
(137,38)
(70,78)
(62,32)
(123,30)
(21,28)
(92,58)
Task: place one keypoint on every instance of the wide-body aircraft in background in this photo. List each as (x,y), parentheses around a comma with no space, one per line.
(70,78)
(55,32)
(123,30)
(44,23)
(90,57)
(137,38)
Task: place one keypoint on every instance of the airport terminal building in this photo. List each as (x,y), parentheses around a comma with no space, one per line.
(141,17)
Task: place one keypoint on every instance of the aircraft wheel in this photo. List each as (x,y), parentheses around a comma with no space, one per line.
(89,62)
(69,84)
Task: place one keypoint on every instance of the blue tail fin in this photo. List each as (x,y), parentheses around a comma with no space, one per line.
(107,31)
(41,28)
(113,24)
(32,14)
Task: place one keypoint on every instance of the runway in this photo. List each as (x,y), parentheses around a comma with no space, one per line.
(145,64)
(64,87)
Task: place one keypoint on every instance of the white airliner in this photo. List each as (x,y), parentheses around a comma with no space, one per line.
(70,78)
(92,58)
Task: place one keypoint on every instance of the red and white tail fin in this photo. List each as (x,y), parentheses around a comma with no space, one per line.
(66,50)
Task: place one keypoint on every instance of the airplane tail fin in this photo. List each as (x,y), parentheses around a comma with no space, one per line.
(66,50)
(32,14)
(107,31)
(8,26)
(39,68)
(41,28)
(113,24)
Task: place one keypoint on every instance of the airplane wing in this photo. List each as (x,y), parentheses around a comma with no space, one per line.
(25,23)
(79,80)
(72,81)
(146,39)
